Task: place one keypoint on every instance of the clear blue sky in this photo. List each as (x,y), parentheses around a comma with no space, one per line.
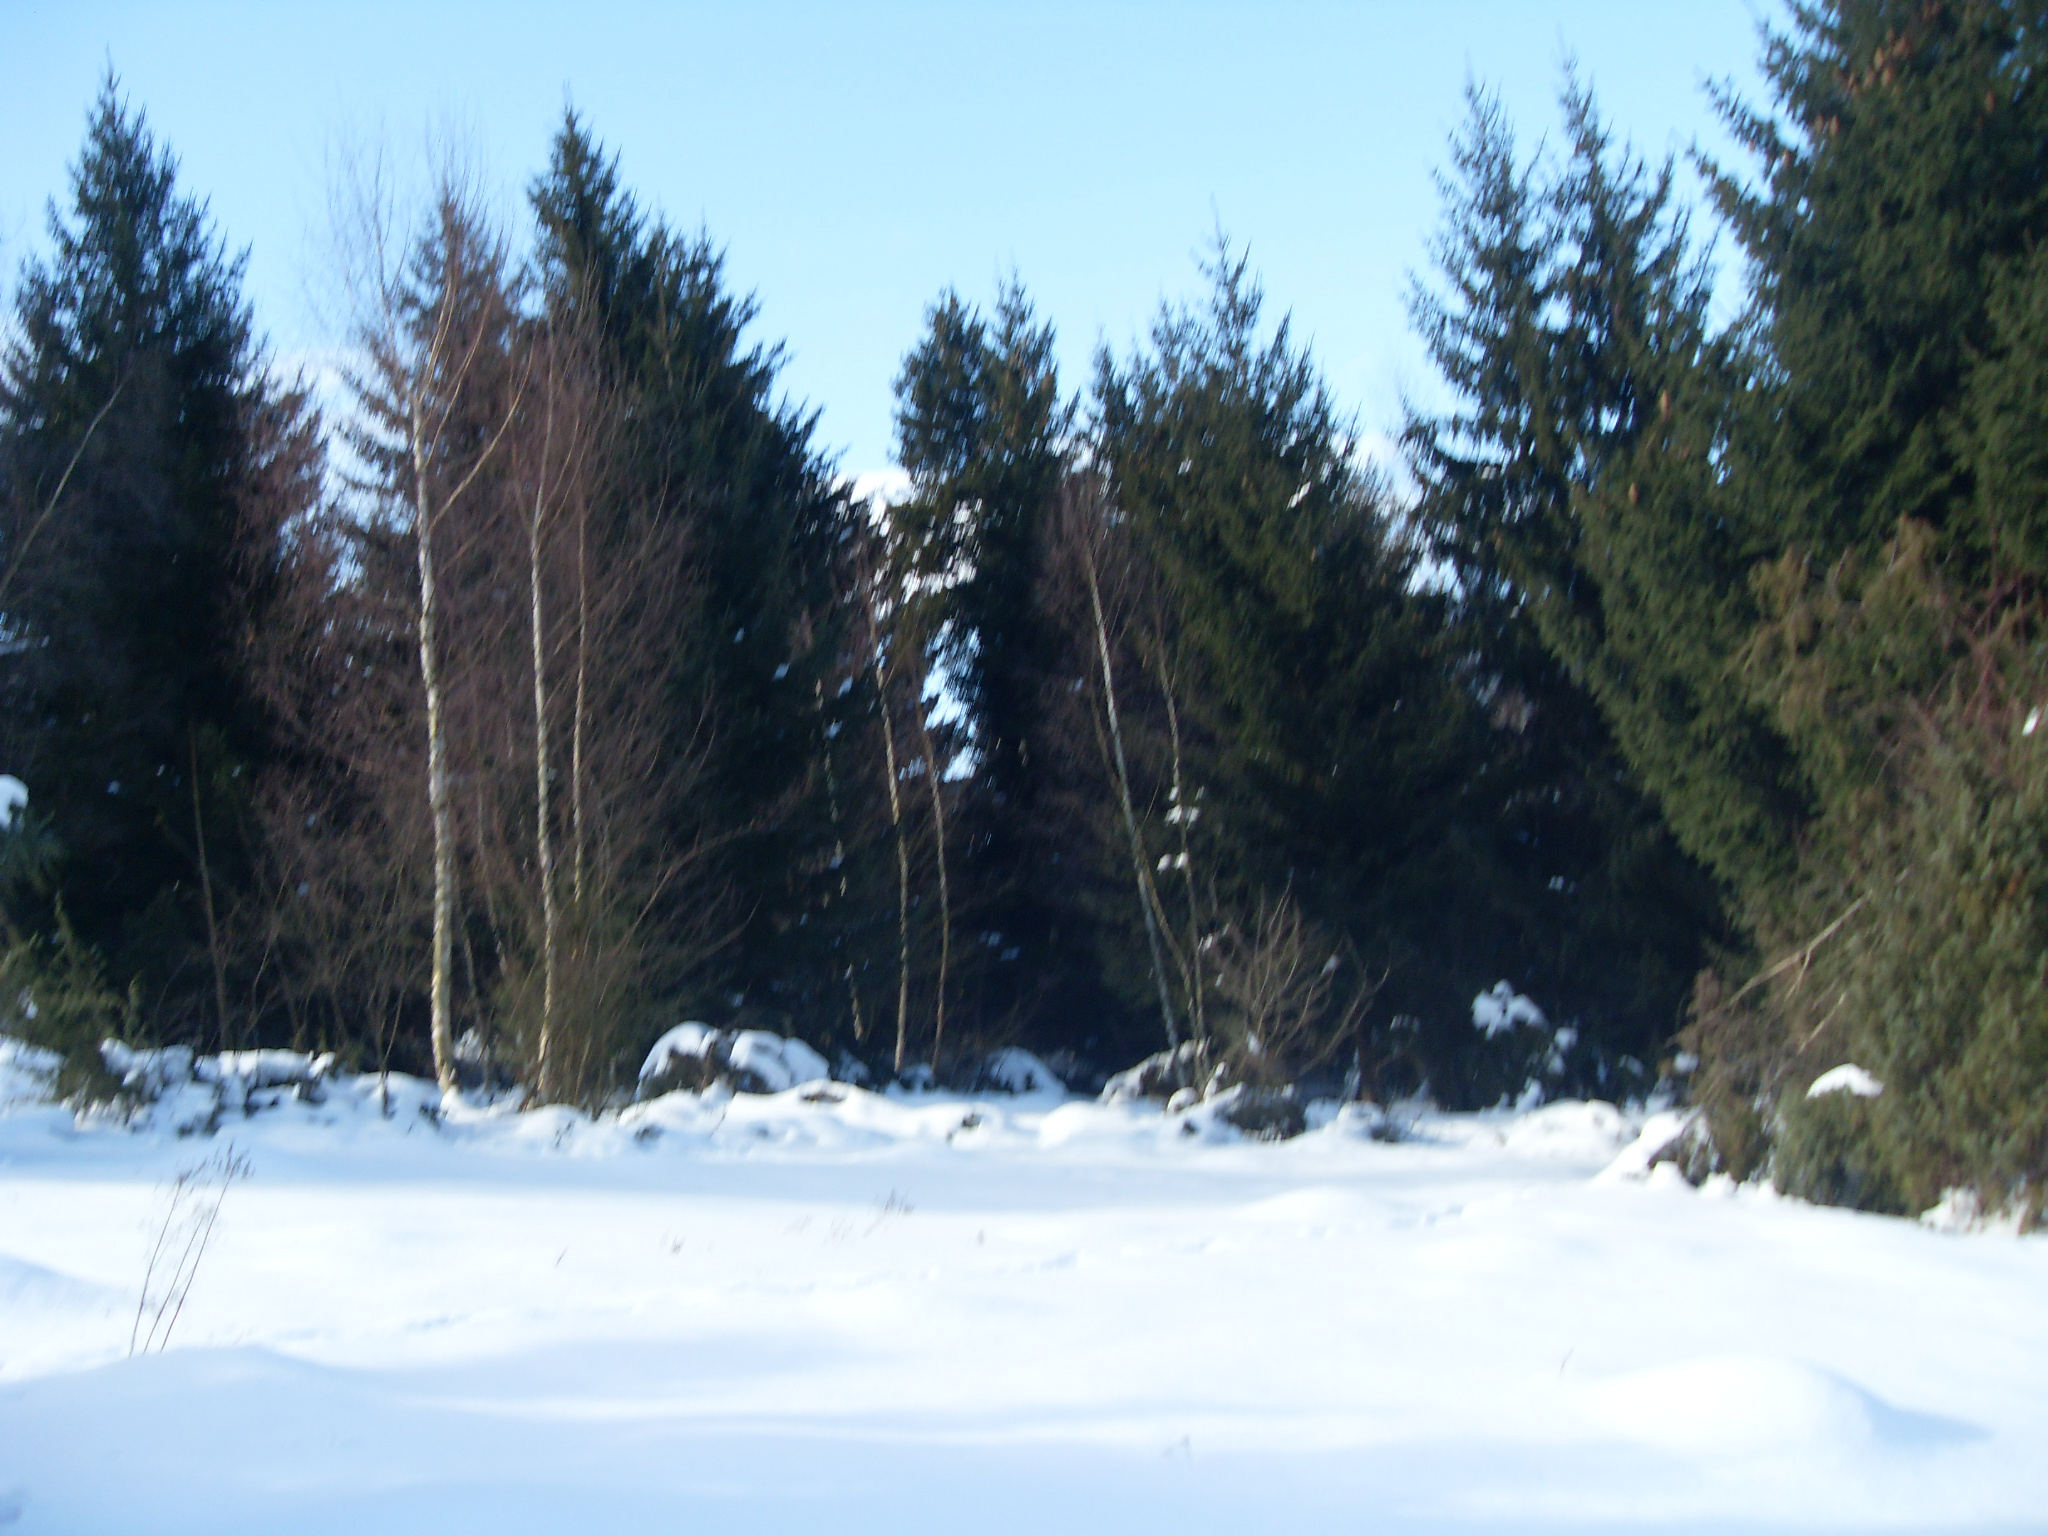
(855,159)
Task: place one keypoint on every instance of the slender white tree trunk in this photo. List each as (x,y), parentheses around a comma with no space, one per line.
(1123,787)
(576,725)
(441,986)
(544,837)
(931,763)
(1184,815)
(902,870)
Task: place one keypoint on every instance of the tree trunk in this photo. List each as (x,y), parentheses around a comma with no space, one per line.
(1184,815)
(931,764)
(902,871)
(441,985)
(1130,817)
(544,837)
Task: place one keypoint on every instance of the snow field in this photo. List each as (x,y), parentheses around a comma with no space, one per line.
(827,1310)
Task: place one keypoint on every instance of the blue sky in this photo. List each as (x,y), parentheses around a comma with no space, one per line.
(853,160)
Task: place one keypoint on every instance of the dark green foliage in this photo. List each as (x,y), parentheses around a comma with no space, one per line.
(1795,564)
(1561,296)
(708,446)
(981,432)
(983,435)
(1899,185)
(136,549)
(1318,728)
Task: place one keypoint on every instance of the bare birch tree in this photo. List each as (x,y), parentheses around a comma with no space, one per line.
(435,397)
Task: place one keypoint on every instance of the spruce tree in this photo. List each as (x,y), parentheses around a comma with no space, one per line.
(1327,743)
(135,425)
(982,433)
(710,445)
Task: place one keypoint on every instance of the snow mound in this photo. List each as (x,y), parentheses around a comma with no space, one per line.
(1847,1078)
(1658,1135)
(1570,1130)
(1962,1210)
(26,1287)
(1738,1403)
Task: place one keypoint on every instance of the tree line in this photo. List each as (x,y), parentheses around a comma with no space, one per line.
(553,685)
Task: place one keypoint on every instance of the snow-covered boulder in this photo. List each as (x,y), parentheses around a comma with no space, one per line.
(1162,1075)
(1011,1070)
(1264,1114)
(169,1088)
(775,1061)
(1657,1144)
(694,1056)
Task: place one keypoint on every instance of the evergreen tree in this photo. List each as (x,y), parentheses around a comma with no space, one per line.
(1793,564)
(1550,321)
(708,445)
(982,433)
(1327,742)
(1601,580)
(1892,237)
(135,429)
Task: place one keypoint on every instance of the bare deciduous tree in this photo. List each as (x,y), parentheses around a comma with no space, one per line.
(436,393)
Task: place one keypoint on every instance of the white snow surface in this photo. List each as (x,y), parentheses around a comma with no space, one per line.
(829,1310)
(1847,1078)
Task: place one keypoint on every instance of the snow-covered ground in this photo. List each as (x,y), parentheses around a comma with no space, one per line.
(799,1313)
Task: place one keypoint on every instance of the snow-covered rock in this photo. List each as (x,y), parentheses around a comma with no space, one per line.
(1012,1070)
(695,1056)
(1657,1137)
(776,1061)
(172,1089)
(1161,1075)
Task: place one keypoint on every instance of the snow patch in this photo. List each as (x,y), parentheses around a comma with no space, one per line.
(1847,1078)
(1504,1009)
(28,1073)
(1570,1130)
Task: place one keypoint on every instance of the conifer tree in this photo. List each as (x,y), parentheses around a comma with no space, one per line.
(135,427)
(1321,737)
(982,434)
(707,444)
(1567,315)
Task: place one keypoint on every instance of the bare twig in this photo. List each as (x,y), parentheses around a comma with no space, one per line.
(190,1216)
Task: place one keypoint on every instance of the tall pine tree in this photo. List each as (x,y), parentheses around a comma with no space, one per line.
(708,444)
(136,429)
